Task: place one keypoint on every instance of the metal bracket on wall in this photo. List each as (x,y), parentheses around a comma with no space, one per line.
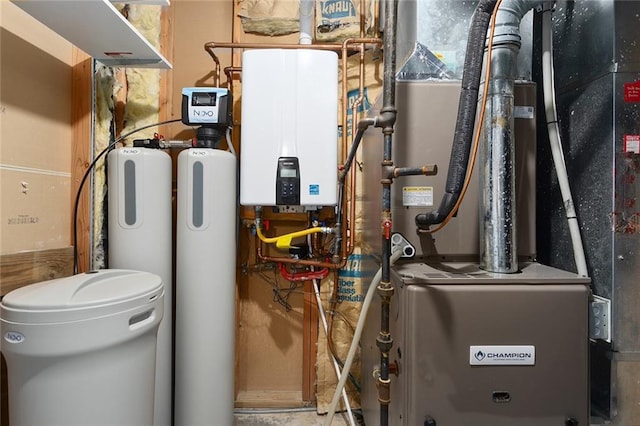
(600,319)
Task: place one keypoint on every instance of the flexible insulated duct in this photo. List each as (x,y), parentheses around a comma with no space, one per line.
(467,106)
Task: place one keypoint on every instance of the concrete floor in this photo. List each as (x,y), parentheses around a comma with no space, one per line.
(308,418)
(301,418)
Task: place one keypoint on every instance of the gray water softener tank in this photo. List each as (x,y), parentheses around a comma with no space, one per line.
(81,350)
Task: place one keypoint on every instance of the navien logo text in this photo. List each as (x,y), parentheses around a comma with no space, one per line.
(502,355)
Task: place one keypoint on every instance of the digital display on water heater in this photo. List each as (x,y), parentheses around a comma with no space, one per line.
(288,173)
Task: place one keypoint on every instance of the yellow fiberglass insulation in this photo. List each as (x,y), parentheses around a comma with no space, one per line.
(106,87)
(141,108)
(269,17)
(143,85)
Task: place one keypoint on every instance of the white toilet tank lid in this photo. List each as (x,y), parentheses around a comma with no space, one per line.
(81,296)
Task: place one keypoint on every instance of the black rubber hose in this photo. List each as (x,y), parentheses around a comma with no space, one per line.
(465,120)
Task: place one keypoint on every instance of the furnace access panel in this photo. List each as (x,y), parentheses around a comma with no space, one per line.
(483,349)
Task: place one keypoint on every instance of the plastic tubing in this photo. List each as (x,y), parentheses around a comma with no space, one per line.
(323,318)
(229,143)
(356,338)
(551,116)
(342,392)
(306,21)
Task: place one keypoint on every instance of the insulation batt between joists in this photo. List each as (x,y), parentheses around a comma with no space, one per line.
(141,108)
(336,20)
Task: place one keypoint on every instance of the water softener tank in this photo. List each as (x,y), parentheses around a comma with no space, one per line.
(81,350)
(205,287)
(140,215)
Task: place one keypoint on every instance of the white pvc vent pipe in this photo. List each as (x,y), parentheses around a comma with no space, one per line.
(551,116)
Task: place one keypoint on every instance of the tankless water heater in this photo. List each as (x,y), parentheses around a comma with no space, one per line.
(289,127)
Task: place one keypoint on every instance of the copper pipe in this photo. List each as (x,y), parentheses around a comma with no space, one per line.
(326,46)
(348,45)
(359,42)
(355,118)
(330,265)
(229,71)
(349,237)
(348,241)
(217,62)
(358,101)
(333,300)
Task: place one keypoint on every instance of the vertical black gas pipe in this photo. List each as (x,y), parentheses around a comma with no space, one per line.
(386,121)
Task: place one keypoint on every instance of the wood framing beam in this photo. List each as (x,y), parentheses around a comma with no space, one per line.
(269,399)
(310,343)
(166,80)
(81,119)
(28,267)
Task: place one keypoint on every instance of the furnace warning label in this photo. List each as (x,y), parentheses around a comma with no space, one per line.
(632,91)
(523,112)
(632,144)
(417,196)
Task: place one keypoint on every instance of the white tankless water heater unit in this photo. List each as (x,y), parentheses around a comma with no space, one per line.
(289,127)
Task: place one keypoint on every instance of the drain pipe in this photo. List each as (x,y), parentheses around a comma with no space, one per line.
(498,243)
(467,106)
(306,24)
(386,120)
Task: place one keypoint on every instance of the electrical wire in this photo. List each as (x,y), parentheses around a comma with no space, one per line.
(229,142)
(555,143)
(344,318)
(476,139)
(331,344)
(278,291)
(110,146)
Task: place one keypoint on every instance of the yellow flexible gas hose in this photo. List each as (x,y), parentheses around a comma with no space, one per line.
(284,241)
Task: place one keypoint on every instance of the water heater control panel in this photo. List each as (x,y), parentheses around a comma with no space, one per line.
(288,182)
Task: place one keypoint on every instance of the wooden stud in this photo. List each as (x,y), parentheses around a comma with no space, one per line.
(81,118)
(310,342)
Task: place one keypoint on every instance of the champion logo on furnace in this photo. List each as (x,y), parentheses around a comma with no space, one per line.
(502,355)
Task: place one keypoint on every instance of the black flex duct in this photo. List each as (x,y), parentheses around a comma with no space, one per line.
(467,106)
